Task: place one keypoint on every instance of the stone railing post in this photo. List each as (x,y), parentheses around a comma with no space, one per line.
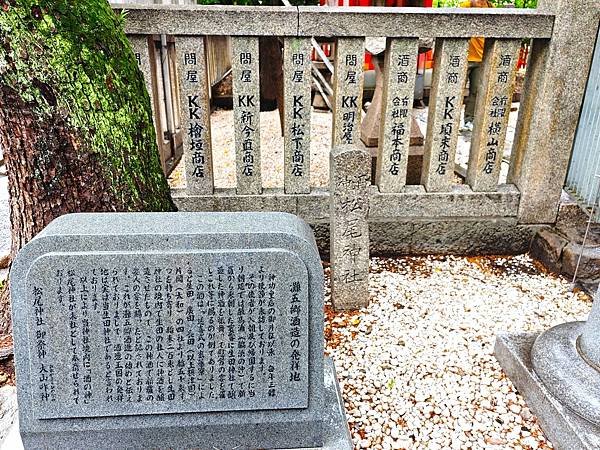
(396,116)
(297,107)
(491,113)
(350,168)
(246,114)
(553,93)
(195,114)
(445,103)
(348,90)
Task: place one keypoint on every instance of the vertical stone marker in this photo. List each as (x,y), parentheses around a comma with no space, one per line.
(491,113)
(195,114)
(348,89)
(246,113)
(350,169)
(398,94)
(189,330)
(445,105)
(297,93)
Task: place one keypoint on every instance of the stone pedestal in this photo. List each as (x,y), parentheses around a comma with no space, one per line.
(100,364)
(558,373)
(335,428)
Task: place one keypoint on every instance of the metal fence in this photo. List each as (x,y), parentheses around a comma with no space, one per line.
(583,179)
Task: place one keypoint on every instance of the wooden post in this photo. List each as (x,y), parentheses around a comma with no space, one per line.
(142,46)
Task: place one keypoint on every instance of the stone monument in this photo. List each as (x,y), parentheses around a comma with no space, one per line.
(558,373)
(185,330)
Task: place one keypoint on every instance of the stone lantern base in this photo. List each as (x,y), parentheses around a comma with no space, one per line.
(566,429)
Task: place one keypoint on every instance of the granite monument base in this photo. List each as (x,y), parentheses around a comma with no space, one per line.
(563,427)
(335,431)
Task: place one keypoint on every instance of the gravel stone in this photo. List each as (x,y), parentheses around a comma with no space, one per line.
(425,371)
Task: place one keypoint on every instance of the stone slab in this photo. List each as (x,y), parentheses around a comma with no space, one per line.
(497,85)
(348,91)
(450,237)
(413,202)
(445,106)
(315,21)
(246,114)
(349,240)
(195,114)
(71,286)
(336,435)
(73,246)
(461,201)
(297,82)
(424,23)
(560,250)
(565,429)
(461,237)
(547,247)
(396,116)
(588,258)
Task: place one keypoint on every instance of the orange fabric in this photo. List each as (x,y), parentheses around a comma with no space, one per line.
(476,44)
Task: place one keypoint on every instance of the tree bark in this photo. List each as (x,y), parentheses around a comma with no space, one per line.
(75,118)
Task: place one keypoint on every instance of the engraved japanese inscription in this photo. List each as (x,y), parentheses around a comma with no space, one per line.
(142,332)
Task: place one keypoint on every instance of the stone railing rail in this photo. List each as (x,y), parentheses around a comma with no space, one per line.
(437,215)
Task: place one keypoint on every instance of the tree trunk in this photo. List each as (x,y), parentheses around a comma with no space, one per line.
(75,118)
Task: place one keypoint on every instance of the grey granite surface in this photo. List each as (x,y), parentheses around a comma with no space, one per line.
(246,113)
(445,105)
(590,334)
(492,109)
(85,241)
(317,21)
(297,82)
(162,341)
(349,232)
(396,116)
(412,203)
(195,114)
(565,429)
(348,91)
(336,435)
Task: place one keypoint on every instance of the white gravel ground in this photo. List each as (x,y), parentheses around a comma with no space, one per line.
(417,368)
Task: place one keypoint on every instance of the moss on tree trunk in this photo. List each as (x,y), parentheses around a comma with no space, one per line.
(75,117)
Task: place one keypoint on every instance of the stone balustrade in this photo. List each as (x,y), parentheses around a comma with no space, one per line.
(480,214)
